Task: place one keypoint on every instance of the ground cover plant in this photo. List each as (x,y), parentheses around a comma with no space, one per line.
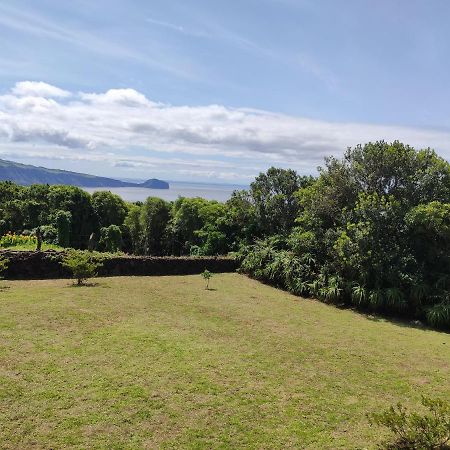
(158,362)
(429,430)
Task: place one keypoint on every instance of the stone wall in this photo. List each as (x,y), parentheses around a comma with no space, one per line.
(41,265)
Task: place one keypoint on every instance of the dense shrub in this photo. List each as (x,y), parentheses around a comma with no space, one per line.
(82,265)
(415,431)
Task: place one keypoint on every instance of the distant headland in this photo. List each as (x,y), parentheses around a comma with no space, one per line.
(26,175)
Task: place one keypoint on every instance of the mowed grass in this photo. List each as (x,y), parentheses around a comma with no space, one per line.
(159,362)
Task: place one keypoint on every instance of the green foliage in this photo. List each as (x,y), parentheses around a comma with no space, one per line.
(427,431)
(372,231)
(12,240)
(78,203)
(111,239)
(154,218)
(49,234)
(132,224)
(63,224)
(276,205)
(438,315)
(109,208)
(82,265)
(207,275)
(4,263)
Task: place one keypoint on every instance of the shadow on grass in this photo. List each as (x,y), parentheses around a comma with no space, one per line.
(84,285)
(210,289)
(380,316)
(386,317)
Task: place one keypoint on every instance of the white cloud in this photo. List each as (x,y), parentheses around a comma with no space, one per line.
(124,129)
(38,89)
(124,97)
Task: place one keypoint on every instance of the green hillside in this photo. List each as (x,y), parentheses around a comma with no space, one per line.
(26,175)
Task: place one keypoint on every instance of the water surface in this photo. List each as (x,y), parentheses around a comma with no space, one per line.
(219,192)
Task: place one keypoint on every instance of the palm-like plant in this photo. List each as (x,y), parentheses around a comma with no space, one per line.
(359,294)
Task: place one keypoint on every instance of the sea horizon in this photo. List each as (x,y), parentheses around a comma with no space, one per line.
(210,191)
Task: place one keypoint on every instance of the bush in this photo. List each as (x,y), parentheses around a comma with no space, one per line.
(3,264)
(439,314)
(428,431)
(83,265)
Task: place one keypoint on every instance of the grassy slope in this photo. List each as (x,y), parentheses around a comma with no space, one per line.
(162,363)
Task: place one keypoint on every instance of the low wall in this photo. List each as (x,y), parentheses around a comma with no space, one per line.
(41,265)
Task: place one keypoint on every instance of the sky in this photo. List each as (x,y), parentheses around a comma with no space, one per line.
(218,91)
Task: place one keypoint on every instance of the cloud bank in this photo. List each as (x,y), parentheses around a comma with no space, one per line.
(127,133)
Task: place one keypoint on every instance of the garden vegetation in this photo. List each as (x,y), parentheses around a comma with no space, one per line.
(372,230)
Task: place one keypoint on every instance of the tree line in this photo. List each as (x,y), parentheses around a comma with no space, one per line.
(68,216)
(371,230)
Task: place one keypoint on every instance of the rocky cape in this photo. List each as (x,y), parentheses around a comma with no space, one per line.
(26,175)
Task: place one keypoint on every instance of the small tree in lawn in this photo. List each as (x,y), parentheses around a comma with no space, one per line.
(207,275)
(82,265)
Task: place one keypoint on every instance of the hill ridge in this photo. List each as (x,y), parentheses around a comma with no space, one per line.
(26,174)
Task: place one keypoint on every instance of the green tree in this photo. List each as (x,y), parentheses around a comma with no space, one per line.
(133,225)
(111,238)
(185,222)
(63,224)
(78,203)
(276,205)
(154,217)
(109,208)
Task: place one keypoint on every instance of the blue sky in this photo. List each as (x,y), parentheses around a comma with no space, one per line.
(218,90)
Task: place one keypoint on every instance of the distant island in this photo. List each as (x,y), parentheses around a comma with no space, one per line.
(26,175)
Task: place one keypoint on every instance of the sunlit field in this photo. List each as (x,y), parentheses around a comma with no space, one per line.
(160,362)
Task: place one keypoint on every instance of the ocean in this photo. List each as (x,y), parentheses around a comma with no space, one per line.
(219,192)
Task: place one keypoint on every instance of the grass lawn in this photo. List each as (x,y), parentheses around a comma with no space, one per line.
(159,362)
(32,247)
